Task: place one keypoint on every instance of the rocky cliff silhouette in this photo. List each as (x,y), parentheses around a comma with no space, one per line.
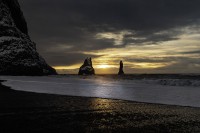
(121,71)
(87,68)
(18,55)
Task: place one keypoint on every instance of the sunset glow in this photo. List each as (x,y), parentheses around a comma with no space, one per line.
(103,66)
(155,43)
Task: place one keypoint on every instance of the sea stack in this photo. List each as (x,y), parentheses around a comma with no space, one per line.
(87,68)
(121,71)
(18,55)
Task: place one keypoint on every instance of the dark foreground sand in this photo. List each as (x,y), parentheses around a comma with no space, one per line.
(26,112)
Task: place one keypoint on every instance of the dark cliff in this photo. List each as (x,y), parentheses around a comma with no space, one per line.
(17,15)
(87,68)
(18,55)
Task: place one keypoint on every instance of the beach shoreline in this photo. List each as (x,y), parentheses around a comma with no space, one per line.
(34,112)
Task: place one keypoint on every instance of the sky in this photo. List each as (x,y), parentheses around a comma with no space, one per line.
(150,36)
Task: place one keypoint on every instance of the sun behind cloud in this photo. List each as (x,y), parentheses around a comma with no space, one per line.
(103,66)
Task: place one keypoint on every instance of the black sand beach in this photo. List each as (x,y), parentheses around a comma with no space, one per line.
(26,112)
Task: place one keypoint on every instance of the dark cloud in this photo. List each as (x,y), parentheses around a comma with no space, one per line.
(178,60)
(66,59)
(191,52)
(183,65)
(76,22)
(176,65)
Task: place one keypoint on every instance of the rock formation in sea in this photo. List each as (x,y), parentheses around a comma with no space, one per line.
(18,55)
(121,71)
(87,68)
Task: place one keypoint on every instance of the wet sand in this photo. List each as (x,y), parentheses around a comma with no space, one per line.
(26,112)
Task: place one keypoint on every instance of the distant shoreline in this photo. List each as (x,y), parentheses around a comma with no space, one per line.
(142,76)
